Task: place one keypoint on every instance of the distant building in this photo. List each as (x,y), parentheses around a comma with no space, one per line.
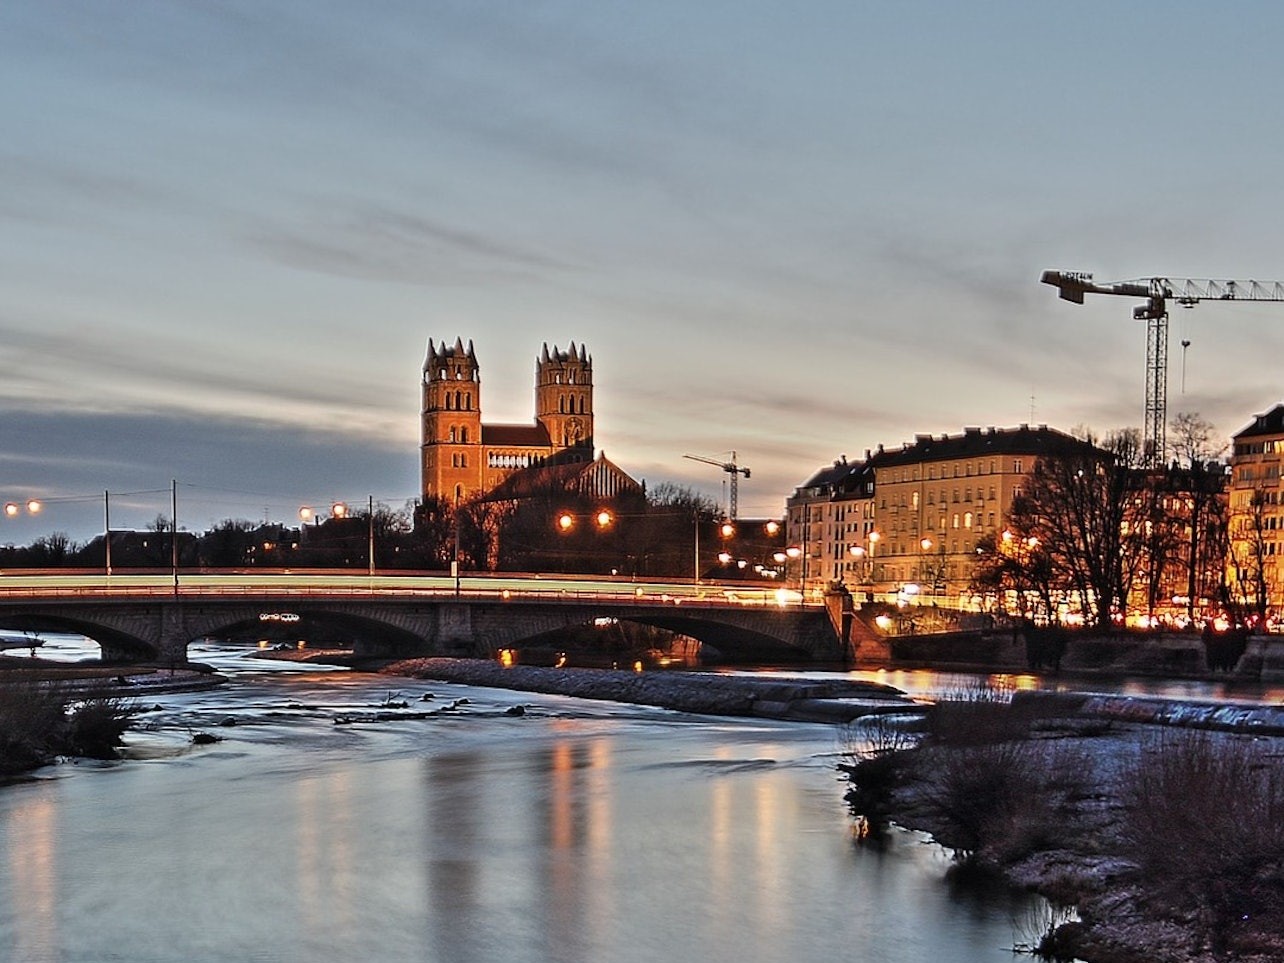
(828,516)
(462,457)
(1255,563)
(910,519)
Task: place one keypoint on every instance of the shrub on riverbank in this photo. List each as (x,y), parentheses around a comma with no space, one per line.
(37,724)
(988,788)
(875,752)
(31,718)
(996,791)
(1204,825)
(95,727)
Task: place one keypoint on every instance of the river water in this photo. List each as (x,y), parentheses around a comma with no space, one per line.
(579,831)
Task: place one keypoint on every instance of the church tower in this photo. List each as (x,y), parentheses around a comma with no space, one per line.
(564,401)
(451,459)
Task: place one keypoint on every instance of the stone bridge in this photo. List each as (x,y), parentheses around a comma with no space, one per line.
(159,628)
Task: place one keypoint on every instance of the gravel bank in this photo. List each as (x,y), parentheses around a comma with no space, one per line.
(700,692)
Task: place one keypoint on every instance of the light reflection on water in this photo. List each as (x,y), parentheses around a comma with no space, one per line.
(932,684)
(579,832)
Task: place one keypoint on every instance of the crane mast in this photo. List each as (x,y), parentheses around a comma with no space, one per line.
(732,469)
(1158,291)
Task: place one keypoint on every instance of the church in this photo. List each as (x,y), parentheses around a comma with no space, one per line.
(462,458)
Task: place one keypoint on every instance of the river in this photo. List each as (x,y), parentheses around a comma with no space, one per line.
(578,831)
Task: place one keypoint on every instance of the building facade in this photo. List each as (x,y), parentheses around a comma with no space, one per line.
(827,517)
(1255,558)
(462,457)
(908,521)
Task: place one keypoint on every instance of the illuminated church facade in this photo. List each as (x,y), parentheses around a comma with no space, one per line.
(462,457)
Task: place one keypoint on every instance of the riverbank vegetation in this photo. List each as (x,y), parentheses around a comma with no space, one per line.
(38,724)
(1170,844)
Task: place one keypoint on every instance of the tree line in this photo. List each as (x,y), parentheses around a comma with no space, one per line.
(651,534)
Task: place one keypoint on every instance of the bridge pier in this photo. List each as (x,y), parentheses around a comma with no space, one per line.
(173,636)
(455,634)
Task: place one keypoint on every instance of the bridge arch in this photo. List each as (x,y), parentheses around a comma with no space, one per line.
(117,644)
(320,624)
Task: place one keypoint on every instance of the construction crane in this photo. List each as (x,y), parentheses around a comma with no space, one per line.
(1158,291)
(732,469)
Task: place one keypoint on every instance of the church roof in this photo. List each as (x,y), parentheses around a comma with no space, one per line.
(517,436)
(601,478)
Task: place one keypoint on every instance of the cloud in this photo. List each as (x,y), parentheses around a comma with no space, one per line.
(100,371)
(225,468)
(361,239)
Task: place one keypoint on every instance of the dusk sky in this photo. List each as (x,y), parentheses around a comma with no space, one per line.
(227,231)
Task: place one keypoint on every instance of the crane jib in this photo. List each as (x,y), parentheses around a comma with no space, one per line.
(1073,285)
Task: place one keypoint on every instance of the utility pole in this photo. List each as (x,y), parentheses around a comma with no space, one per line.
(370,523)
(107,528)
(173,513)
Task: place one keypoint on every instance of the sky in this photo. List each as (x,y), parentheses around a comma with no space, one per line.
(792,231)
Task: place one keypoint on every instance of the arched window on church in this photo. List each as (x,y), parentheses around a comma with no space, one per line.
(463,434)
(468,401)
(452,432)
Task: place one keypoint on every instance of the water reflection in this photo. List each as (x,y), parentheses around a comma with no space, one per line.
(580,832)
(931,684)
(30,835)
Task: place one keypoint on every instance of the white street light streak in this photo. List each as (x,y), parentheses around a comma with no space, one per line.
(15,585)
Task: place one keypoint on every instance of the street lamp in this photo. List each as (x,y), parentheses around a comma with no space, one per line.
(338,510)
(309,514)
(602,518)
(566,522)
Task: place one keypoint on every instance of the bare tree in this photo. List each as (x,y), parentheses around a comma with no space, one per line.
(1250,575)
(1199,457)
(1079,510)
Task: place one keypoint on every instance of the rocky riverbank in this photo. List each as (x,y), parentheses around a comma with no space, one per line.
(80,681)
(708,693)
(1159,833)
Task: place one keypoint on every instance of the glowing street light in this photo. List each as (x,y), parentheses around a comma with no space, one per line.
(309,514)
(602,518)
